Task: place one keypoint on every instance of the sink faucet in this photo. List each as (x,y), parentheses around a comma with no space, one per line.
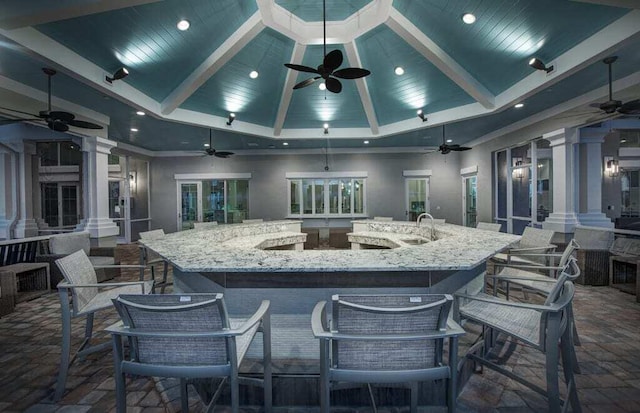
(433,224)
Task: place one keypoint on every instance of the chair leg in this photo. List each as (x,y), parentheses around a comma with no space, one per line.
(452,391)
(66,344)
(551,352)
(566,348)
(165,273)
(266,357)
(325,397)
(414,397)
(121,389)
(184,395)
(153,278)
(235,396)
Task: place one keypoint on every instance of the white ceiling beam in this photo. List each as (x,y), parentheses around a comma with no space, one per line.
(307,33)
(445,63)
(25,16)
(363,89)
(287,91)
(601,44)
(229,48)
(625,4)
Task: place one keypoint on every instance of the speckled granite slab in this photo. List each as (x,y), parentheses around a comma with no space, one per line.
(456,248)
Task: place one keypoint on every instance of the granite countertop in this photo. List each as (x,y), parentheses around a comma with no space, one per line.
(457,248)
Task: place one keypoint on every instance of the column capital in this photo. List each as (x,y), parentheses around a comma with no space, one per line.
(20,145)
(562,136)
(593,135)
(97,144)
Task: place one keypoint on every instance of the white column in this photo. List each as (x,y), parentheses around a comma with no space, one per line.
(563,219)
(7,192)
(592,139)
(96,191)
(25,225)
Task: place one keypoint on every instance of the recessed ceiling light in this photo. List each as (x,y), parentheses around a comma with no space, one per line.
(253,74)
(134,130)
(623,141)
(285,143)
(322,86)
(468,18)
(449,140)
(519,105)
(183,25)
(140,113)
(206,145)
(366,142)
(399,70)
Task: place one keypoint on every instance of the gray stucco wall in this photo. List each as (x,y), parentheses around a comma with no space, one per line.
(268,189)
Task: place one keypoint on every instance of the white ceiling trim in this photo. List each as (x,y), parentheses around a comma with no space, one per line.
(363,89)
(625,4)
(307,33)
(296,152)
(222,175)
(433,53)
(287,92)
(592,49)
(227,50)
(66,11)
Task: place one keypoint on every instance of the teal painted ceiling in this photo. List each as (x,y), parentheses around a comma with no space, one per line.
(190,80)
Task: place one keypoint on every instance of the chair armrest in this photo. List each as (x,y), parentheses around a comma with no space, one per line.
(514,251)
(260,313)
(140,332)
(526,254)
(544,308)
(316,321)
(527,266)
(98,285)
(126,266)
(522,278)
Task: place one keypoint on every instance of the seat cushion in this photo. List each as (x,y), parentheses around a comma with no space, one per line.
(102,261)
(244,341)
(521,323)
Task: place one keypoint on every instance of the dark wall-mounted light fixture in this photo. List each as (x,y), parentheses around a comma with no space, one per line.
(539,65)
(119,74)
(232,117)
(421,115)
(326,128)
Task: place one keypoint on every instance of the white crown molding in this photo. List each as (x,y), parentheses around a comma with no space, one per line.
(332,174)
(229,175)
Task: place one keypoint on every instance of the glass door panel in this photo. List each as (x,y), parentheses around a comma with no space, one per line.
(50,204)
(319,196)
(307,191)
(416,197)
(189,205)
(522,192)
(334,186)
(345,186)
(295,197)
(470,197)
(213,201)
(544,185)
(237,200)
(69,205)
(358,199)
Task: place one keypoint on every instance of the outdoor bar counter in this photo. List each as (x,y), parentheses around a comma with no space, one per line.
(250,259)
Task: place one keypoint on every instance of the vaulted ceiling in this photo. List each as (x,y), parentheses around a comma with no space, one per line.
(468,76)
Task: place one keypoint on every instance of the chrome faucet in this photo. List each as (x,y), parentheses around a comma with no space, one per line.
(433,224)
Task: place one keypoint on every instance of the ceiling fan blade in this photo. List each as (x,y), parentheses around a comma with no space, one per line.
(58,126)
(18,111)
(301,68)
(351,73)
(83,124)
(459,148)
(630,108)
(332,60)
(223,154)
(59,115)
(333,85)
(306,83)
(595,105)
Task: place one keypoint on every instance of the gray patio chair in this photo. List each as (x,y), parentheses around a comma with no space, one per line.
(87,297)
(488,226)
(205,225)
(188,337)
(541,327)
(149,258)
(533,240)
(386,339)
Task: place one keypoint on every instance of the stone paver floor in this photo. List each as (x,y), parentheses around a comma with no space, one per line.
(608,323)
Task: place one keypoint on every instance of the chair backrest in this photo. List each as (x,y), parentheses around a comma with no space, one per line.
(386,219)
(376,315)
(76,270)
(205,225)
(535,237)
(570,272)
(182,316)
(572,246)
(489,226)
(70,242)
(153,234)
(593,239)
(626,246)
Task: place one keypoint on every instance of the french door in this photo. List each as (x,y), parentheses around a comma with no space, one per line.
(189,204)
(60,204)
(221,200)
(469,200)
(416,197)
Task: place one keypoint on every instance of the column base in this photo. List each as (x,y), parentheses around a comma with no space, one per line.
(5,228)
(561,222)
(595,219)
(26,228)
(99,227)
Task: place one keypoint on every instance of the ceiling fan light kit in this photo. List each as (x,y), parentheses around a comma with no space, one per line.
(328,70)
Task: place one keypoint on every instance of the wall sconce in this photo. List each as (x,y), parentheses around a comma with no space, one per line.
(326,128)
(421,115)
(132,183)
(232,117)
(119,74)
(539,65)
(612,166)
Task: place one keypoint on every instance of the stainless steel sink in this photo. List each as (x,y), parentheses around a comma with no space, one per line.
(415,241)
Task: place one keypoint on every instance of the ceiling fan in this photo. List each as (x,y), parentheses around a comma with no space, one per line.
(209,151)
(611,106)
(331,62)
(445,149)
(56,120)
